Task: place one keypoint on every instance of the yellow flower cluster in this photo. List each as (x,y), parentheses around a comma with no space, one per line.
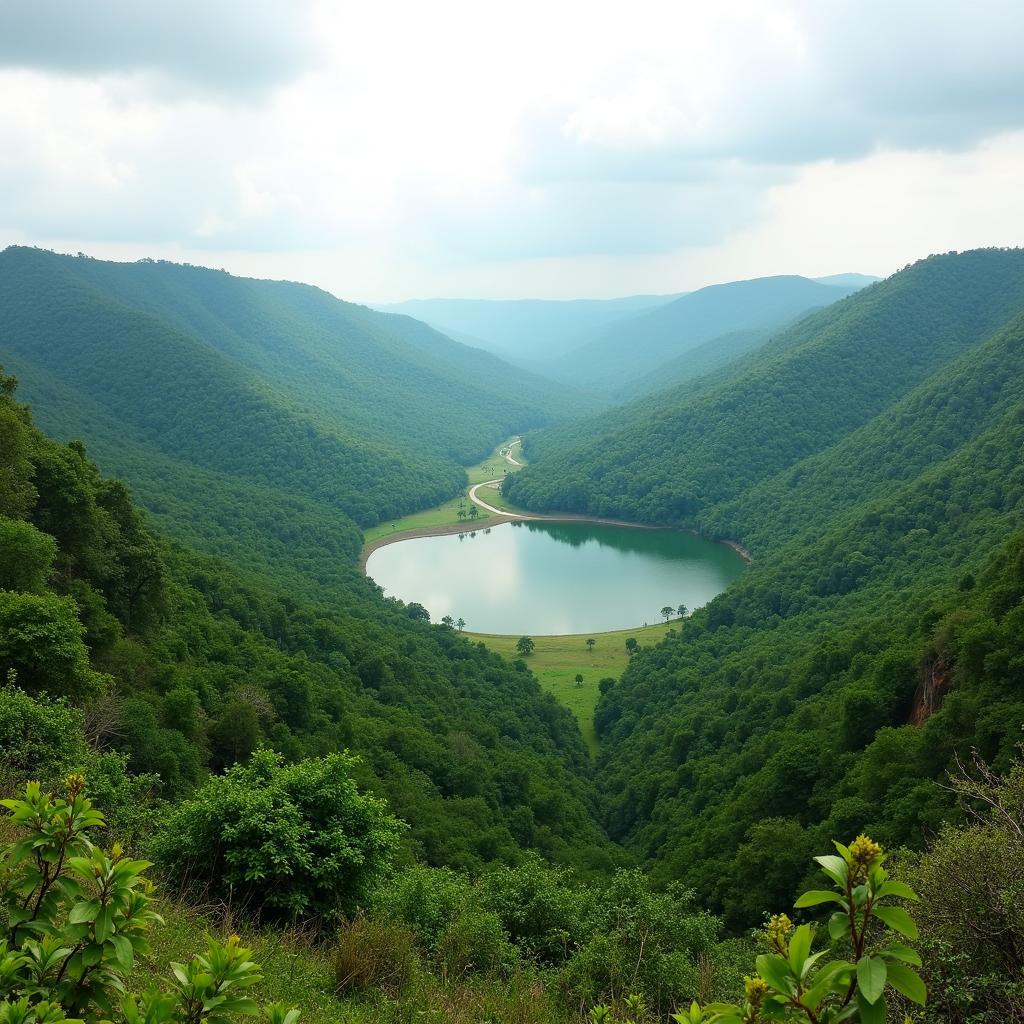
(755,989)
(779,930)
(863,852)
(75,784)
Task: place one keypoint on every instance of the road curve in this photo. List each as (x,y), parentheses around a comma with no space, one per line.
(490,508)
(509,456)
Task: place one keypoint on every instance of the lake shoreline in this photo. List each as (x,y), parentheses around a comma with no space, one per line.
(514,517)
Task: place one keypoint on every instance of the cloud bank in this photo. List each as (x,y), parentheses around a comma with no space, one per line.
(401,149)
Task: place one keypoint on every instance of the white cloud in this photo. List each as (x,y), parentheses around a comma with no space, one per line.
(404,148)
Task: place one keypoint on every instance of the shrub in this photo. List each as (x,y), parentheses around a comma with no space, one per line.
(971,882)
(425,899)
(77,916)
(792,985)
(641,941)
(26,556)
(41,642)
(544,914)
(39,737)
(286,841)
(375,953)
(474,943)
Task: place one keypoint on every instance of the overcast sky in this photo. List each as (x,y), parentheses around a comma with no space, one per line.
(390,150)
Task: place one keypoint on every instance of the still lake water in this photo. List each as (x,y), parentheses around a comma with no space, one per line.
(549,578)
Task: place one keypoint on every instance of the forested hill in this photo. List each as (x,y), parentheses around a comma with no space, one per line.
(677,455)
(636,347)
(881,628)
(186,666)
(254,417)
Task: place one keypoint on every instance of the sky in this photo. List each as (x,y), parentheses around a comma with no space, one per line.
(554,149)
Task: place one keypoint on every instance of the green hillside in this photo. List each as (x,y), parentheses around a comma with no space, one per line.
(263,420)
(674,456)
(189,665)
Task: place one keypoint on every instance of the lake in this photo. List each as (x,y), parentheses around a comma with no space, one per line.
(555,577)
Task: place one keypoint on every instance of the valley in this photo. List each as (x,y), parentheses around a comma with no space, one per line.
(511,515)
(677,639)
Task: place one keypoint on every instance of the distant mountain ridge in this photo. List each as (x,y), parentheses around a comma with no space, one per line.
(612,345)
(631,349)
(525,331)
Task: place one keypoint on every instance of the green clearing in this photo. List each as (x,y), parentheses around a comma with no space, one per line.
(447,514)
(556,660)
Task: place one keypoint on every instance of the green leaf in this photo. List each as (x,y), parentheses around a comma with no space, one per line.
(81,912)
(816,896)
(870,1013)
(776,972)
(123,951)
(831,978)
(799,948)
(897,919)
(904,953)
(898,889)
(907,983)
(836,868)
(104,923)
(871,974)
(839,926)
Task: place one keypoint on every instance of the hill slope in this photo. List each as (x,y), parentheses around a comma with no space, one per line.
(671,457)
(186,666)
(269,406)
(634,348)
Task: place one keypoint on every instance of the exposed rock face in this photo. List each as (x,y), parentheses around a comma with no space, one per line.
(934,682)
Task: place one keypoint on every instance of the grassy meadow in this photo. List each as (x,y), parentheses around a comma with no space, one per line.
(556,660)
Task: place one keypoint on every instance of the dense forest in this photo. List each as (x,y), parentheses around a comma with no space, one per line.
(673,457)
(188,666)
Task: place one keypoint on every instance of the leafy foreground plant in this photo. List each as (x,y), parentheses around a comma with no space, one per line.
(791,986)
(77,917)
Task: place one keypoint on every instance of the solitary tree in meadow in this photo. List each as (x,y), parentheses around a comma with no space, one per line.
(524,645)
(462,514)
(590,644)
(681,611)
(461,623)
(632,646)
(579,678)
(474,512)
(667,612)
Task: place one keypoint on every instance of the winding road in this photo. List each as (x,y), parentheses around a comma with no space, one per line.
(473,497)
(508,453)
(490,508)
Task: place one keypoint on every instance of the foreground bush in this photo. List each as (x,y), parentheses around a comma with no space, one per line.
(971,882)
(374,954)
(76,917)
(282,841)
(791,984)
